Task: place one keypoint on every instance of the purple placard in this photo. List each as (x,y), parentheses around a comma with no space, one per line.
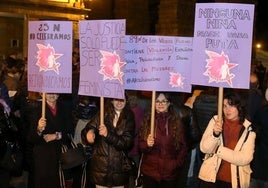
(222,44)
(158,63)
(50,56)
(102,47)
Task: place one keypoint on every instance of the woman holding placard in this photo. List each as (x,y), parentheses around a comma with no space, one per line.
(45,140)
(165,149)
(111,141)
(228,145)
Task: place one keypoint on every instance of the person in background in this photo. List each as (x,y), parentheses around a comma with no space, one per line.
(12,77)
(75,76)
(260,71)
(255,97)
(5,109)
(111,141)
(46,137)
(87,108)
(16,80)
(259,165)
(134,153)
(163,151)
(204,108)
(4,90)
(11,71)
(13,82)
(193,136)
(230,143)
(75,59)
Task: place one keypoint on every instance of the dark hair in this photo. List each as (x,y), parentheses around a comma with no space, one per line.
(11,62)
(174,120)
(254,81)
(110,111)
(234,99)
(168,96)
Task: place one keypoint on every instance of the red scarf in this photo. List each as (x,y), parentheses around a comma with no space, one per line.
(231,134)
(53,110)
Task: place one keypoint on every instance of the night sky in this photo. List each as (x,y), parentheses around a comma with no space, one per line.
(262,24)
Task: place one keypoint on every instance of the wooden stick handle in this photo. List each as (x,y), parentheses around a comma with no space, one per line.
(101,110)
(220,101)
(152,112)
(43,105)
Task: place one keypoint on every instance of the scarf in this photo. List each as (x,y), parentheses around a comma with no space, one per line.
(162,121)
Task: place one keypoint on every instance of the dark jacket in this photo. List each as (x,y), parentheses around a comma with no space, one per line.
(259,164)
(4,94)
(193,133)
(42,155)
(106,162)
(164,160)
(255,101)
(204,107)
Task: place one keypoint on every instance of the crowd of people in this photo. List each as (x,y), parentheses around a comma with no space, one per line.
(181,143)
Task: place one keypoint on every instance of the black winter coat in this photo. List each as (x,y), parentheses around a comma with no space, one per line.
(44,156)
(192,130)
(259,164)
(106,162)
(204,107)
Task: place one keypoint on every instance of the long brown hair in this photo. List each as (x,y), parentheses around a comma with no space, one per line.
(174,120)
(109,111)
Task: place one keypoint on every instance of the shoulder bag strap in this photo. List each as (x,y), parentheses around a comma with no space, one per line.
(84,175)
(139,169)
(249,129)
(62,181)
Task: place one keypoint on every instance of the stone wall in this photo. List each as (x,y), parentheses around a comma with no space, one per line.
(143,17)
(11,30)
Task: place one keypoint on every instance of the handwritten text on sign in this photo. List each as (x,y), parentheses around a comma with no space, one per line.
(49,57)
(158,63)
(102,44)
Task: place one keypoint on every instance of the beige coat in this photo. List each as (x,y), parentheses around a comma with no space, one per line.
(240,157)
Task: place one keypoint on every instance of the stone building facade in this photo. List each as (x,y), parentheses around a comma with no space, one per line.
(143,17)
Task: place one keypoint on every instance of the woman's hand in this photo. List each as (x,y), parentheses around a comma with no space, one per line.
(90,136)
(150,140)
(217,129)
(49,137)
(103,130)
(42,123)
